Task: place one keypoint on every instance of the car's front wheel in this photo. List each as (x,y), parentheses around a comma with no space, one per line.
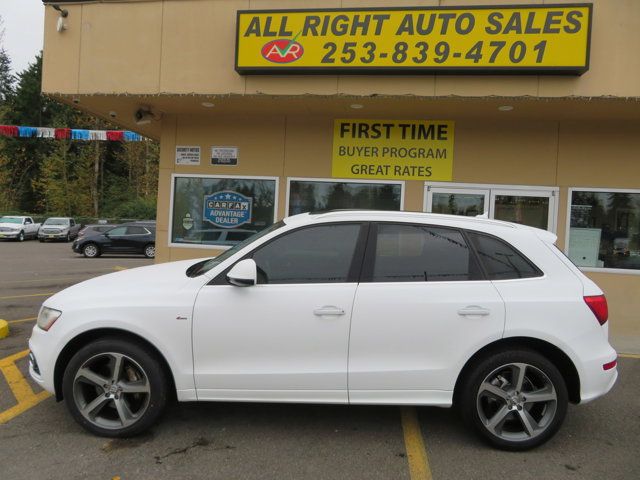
(115,388)
(91,250)
(515,399)
(21,236)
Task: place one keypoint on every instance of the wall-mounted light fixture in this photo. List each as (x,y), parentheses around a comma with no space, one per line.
(144,115)
(61,26)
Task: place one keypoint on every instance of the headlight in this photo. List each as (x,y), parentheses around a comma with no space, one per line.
(47,317)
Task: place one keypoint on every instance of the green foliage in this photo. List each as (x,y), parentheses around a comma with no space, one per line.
(64,177)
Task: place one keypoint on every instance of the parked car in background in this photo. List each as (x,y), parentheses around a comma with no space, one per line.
(18,227)
(134,237)
(59,228)
(89,230)
(357,307)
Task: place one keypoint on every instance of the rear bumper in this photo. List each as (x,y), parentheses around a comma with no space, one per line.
(595,381)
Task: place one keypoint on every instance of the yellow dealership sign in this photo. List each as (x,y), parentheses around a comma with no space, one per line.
(502,39)
(393,149)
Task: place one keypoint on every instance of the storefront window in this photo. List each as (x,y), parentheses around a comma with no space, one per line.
(220,211)
(605,229)
(315,195)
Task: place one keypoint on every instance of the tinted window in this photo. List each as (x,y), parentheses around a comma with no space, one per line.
(320,254)
(501,261)
(136,231)
(117,231)
(238,236)
(410,253)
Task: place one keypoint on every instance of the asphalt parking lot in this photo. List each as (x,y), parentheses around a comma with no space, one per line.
(38,439)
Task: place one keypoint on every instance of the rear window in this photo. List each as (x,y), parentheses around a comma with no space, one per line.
(500,260)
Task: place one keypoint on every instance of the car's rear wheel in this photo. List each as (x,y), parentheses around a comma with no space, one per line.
(115,388)
(91,250)
(516,399)
(150,250)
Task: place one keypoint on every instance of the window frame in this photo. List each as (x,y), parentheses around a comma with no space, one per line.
(344,180)
(490,190)
(172,244)
(354,274)
(622,271)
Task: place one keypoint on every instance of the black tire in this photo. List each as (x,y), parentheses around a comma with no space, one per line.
(488,393)
(107,421)
(91,250)
(21,236)
(68,238)
(150,250)
(41,240)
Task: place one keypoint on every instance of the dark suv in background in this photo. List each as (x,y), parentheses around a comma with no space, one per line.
(127,238)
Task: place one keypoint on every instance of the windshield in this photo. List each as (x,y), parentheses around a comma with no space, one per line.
(56,221)
(11,220)
(204,266)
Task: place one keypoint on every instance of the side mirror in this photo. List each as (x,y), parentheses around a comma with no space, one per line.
(243,274)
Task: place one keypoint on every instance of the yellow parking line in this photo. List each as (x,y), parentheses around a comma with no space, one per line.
(10,282)
(31,295)
(20,388)
(416,451)
(118,268)
(23,406)
(629,355)
(21,320)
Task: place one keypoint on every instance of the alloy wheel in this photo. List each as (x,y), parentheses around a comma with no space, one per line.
(91,250)
(150,251)
(111,390)
(516,402)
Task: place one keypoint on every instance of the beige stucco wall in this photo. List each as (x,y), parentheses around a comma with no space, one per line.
(187,46)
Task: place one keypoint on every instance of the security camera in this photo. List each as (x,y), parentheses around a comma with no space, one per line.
(113,114)
(143,116)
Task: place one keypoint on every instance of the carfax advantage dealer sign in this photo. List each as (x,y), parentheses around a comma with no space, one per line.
(484,39)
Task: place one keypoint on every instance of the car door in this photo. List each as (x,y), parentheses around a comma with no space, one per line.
(422,308)
(115,240)
(137,238)
(286,338)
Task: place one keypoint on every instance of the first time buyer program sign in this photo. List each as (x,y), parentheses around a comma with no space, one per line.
(486,39)
(393,149)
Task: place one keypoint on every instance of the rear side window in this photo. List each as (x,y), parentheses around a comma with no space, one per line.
(415,253)
(500,260)
(136,231)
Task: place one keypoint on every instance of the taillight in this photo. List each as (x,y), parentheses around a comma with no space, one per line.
(598,305)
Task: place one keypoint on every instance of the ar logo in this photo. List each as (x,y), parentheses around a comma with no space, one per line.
(282,50)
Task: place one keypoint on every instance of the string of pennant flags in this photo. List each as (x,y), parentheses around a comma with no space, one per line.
(70,134)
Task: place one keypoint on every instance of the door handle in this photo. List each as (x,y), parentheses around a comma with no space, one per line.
(474,310)
(328,310)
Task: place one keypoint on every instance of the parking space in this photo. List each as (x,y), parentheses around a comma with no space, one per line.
(38,439)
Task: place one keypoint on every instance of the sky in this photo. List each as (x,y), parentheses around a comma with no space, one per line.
(23,25)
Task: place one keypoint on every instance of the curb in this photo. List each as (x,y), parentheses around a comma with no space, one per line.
(4,329)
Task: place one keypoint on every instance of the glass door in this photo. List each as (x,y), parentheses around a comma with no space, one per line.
(533,206)
(458,201)
(529,207)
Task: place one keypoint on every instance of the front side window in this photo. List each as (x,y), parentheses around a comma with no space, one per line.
(319,254)
(316,195)
(415,253)
(220,211)
(500,260)
(604,229)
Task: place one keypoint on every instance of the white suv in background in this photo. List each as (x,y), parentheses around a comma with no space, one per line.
(358,307)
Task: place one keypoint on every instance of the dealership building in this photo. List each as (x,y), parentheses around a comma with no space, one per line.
(525,111)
